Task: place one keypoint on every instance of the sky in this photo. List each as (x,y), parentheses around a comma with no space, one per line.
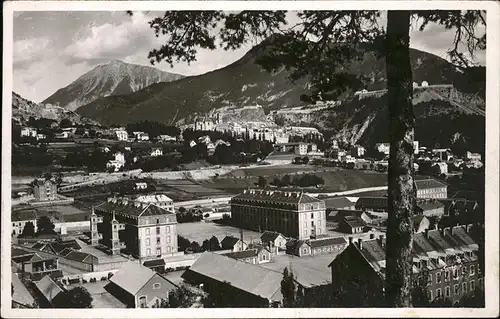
(52,49)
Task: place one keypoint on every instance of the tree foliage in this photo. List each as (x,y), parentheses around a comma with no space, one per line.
(318,47)
(78,297)
(181,297)
(28,230)
(45,226)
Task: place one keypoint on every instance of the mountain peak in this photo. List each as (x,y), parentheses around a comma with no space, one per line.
(114,78)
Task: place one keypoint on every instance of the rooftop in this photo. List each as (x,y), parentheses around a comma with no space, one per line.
(429,205)
(276,196)
(48,288)
(249,253)
(153,198)
(253,279)
(327,242)
(429,183)
(130,208)
(338,202)
(132,276)
(269,236)
(354,221)
(21,293)
(23,215)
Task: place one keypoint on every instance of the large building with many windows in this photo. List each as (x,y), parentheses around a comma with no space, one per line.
(292,214)
(141,229)
(448,257)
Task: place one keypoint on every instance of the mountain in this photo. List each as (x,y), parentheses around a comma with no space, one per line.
(23,109)
(114,78)
(244,83)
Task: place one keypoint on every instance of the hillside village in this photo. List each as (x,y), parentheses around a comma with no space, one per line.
(189,208)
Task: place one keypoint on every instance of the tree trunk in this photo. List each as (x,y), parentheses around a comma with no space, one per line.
(401,191)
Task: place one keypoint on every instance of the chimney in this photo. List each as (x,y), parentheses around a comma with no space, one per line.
(447,231)
(469,228)
(436,226)
(350,240)
(381,240)
(427,233)
(360,243)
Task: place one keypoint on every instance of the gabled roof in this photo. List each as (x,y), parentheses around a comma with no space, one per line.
(129,209)
(338,202)
(17,252)
(79,256)
(21,293)
(229,241)
(428,183)
(251,278)
(249,253)
(276,196)
(154,263)
(353,221)
(269,236)
(417,219)
(23,215)
(42,181)
(48,288)
(372,202)
(132,276)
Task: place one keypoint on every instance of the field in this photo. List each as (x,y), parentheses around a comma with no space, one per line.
(200,231)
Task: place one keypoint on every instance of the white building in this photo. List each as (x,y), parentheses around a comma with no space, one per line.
(121,135)
(383,148)
(141,136)
(204,139)
(357,151)
(192,144)
(425,84)
(472,156)
(160,200)
(62,135)
(41,137)
(301,149)
(117,163)
(28,131)
(204,126)
(440,168)
(166,138)
(156,152)
(141,186)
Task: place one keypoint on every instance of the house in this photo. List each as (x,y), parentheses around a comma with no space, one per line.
(337,216)
(21,297)
(327,245)
(141,136)
(20,218)
(117,163)
(383,148)
(33,262)
(272,239)
(160,200)
(338,203)
(429,208)
(472,156)
(166,138)
(357,151)
(420,223)
(192,144)
(62,135)
(204,139)
(138,286)
(156,152)
(351,225)
(41,137)
(233,243)
(28,132)
(249,285)
(449,256)
(48,289)
(157,265)
(375,204)
(431,188)
(461,211)
(298,247)
(121,135)
(253,256)
(439,168)
(44,189)
(443,154)
(425,84)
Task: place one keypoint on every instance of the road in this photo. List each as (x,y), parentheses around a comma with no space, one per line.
(225,200)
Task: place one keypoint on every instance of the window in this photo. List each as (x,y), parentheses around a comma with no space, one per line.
(456,289)
(478,270)
(168,239)
(157,230)
(480,281)
(463,271)
(472,285)
(438,293)
(148,252)
(471,273)
(168,229)
(147,231)
(156,286)
(158,251)
(312,214)
(429,280)
(438,277)
(142,302)
(446,276)
(430,295)
(157,220)
(158,240)
(455,273)
(312,223)
(447,291)
(464,287)
(148,242)
(114,226)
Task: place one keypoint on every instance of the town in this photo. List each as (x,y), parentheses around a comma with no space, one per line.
(221,212)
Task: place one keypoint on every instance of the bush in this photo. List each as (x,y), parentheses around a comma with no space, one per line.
(84,281)
(104,278)
(110,274)
(169,269)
